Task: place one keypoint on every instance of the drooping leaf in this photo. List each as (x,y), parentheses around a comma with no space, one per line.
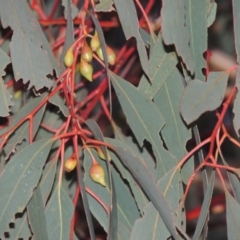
(127,211)
(200,97)
(6,99)
(149,186)
(139,195)
(73,11)
(21,229)
(26,45)
(205,208)
(233,217)
(145,121)
(59,212)
(174,30)
(58,101)
(102,192)
(175,133)
(19,178)
(212,11)
(196,24)
(4,61)
(104,6)
(22,132)
(47,179)
(4,93)
(162,64)
(127,14)
(236,26)
(151,225)
(36,215)
(112,223)
(69,31)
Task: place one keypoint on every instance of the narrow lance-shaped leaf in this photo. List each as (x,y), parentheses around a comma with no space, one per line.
(36,215)
(104,6)
(29,60)
(47,179)
(73,10)
(162,63)
(196,24)
(175,133)
(19,178)
(127,211)
(236,107)
(174,30)
(205,208)
(59,212)
(145,121)
(4,93)
(69,31)
(129,21)
(21,228)
(233,217)
(22,132)
(236,27)
(147,182)
(139,195)
(151,225)
(200,97)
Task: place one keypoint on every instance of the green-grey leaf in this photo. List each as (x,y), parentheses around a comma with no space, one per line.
(47,179)
(69,31)
(139,196)
(4,61)
(19,178)
(175,133)
(129,21)
(212,13)
(233,217)
(200,97)
(30,62)
(196,24)
(58,101)
(174,30)
(151,225)
(236,27)
(36,216)
(205,208)
(59,212)
(22,132)
(4,93)
(236,106)
(104,6)
(74,10)
(6,99)
(144,119)
(147,182)
(127,211)
(21,229)
(162,64)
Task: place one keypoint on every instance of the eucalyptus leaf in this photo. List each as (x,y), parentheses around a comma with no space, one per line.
(174,30)
(59,212)
(26,45)
(200,97)
(18,179)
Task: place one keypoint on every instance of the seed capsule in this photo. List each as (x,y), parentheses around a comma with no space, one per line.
(97,174)
(70,164)
(95,43)
(86,54)
(69,58)
(86,70)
